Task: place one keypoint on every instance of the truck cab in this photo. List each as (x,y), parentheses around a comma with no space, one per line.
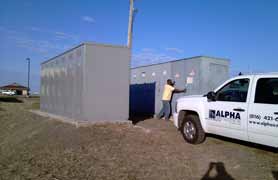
(244,107)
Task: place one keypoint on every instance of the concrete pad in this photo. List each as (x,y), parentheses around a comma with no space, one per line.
(75,122)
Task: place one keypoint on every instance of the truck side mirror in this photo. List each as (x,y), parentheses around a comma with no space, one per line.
(211,96)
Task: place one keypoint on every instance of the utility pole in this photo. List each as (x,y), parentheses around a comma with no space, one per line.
(28,91)
(132,12)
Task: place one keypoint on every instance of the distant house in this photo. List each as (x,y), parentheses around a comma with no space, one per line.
(17,88)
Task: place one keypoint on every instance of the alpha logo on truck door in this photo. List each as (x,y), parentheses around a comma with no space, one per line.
(224,114)
(228,116)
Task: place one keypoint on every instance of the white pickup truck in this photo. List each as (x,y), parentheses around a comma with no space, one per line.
(244,107)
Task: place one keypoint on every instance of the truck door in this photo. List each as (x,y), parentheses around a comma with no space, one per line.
(227,115)
(263,112)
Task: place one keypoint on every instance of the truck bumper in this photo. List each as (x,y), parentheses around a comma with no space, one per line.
(175,117)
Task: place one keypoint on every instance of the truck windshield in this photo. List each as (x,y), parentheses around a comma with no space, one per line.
(235,91)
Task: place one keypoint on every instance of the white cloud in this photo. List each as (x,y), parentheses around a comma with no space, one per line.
(38,46)
(44,42)
(41,46)
(58,35)
(175,50)
(88,19)
(148,50)
(35,29)
(8,30)
(149,56)
(62,35)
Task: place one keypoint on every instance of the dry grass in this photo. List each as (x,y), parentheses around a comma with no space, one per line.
(32,147)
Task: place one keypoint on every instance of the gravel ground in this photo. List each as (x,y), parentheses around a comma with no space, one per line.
(34,147)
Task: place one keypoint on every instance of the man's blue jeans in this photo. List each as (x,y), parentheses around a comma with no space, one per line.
(165,111)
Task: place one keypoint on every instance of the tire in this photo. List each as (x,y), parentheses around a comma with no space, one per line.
(192,130)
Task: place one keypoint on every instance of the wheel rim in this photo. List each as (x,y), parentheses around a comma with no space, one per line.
(189,130)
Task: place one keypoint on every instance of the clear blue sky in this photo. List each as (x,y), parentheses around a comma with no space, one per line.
(246,32)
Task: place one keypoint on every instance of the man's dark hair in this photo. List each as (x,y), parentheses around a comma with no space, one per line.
(169,82)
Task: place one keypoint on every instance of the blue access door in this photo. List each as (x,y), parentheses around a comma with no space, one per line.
(142,99)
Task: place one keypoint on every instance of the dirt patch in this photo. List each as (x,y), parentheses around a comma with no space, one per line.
(35,105)
(1,109)
(32,147)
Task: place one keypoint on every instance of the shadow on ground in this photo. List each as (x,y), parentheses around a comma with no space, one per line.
(10,100)
(245,143)
(275,175)
(217,171)
(137,119)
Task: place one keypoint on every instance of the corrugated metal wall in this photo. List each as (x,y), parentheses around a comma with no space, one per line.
(198,74)
(149,74)
(215,72)
(106,93)
(87,83)
(62,84)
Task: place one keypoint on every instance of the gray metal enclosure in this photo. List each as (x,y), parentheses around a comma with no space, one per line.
(199,75)
(87,83)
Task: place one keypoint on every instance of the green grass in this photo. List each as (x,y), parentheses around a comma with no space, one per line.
(35,105)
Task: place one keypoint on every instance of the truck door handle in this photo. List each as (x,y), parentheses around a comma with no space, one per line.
(276,113)
(239,109)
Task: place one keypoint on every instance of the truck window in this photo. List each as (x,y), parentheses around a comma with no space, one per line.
(267,91)
(235,91)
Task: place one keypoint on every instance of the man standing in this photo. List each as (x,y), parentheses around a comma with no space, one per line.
(166,99)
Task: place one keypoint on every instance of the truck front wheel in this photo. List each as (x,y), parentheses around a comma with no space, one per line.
(192,130)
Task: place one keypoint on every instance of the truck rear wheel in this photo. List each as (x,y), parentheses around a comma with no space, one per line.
(192,130)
